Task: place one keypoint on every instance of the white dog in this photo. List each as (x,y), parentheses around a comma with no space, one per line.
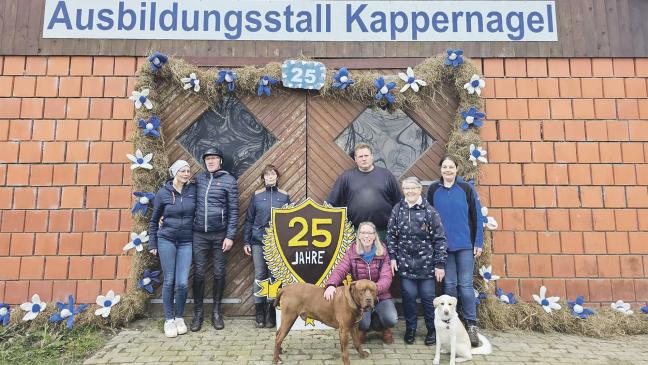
(451,336)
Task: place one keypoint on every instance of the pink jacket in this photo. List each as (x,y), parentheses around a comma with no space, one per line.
(378,271)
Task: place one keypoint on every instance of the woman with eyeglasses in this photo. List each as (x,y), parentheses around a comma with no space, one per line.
(417,247)
(368,259)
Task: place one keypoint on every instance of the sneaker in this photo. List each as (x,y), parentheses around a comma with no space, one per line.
(170,329)
(181,326)
(472,334)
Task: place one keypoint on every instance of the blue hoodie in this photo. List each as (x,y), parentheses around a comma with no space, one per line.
(460,212)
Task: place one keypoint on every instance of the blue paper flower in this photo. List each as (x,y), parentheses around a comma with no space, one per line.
(477,154)
(144,200)
(67,311)
(5,314)
(454,57)
(342,79)
(505,298)
(577,309)
(383,94)
(150,128)
(228,77)
(157,60)
(472,117)
(148,279)
(479,296)
(264,85)
(644,310)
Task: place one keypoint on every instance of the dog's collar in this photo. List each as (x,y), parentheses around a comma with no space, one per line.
(447,322)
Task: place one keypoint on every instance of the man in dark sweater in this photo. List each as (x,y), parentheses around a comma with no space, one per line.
(369,192)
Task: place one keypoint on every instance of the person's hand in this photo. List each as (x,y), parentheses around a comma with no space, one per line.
(227,244)
(439,274)
(329,293)
(394,267)
(247,249)
(477,251)
(161,221)
(153,251)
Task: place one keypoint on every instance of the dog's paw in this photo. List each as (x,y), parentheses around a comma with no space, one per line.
(365,353)
(436,361)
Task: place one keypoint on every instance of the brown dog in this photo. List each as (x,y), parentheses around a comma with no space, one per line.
(343,312)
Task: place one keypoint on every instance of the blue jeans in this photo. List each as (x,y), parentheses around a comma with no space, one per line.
(459,280)
(410,290)
(386,315)
(176,262)
(261,271)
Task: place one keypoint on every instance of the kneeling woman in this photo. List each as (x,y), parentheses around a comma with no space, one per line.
(368,259)
(172,240)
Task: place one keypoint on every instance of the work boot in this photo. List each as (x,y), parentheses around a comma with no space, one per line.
(260,315)
(270,315)
(388,336)
(430,338)
(410,335)
(197,321)
(472,333)
(217,318)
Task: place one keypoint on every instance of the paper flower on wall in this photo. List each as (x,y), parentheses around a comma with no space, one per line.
(383,94)
(342,79)
(143,202)
(141,98)
(486,272)
(67,312)
(472,118)
(488,222)
(33,308)
(548,304)
(577,309)
(475,85)
(157,60)
(479,296)
(227,77)
(106,303)
(137,241)
(454,57)
(644,310)
(149,278)
(5,314)
(622,307)
(410,81)
(150,128)
(505,298)
(191,82)
(264,85)
(477,154)
(140,161)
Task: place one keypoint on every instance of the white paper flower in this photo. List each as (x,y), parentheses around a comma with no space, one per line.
(410,81)
(488,222)
(191,82)
(140,161)
(141,98)
(106,303)
(486,272)
(33,308)
(548,304)
(477,154)
(622,307)
(475,85)
(137,241)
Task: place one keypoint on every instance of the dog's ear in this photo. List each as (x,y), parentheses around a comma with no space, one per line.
(453,301)
(436,301)
(352,287)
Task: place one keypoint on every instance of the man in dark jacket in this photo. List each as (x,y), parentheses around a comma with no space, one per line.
(368,191)
(217,212)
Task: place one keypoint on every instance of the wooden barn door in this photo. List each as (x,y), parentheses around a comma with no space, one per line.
(305,126)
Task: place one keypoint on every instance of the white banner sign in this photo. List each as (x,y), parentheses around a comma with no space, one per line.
(280,20)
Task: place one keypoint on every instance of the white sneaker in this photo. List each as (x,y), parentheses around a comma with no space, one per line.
(170,329)
(180,326)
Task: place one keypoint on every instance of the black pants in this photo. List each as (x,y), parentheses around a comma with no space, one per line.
(205,244)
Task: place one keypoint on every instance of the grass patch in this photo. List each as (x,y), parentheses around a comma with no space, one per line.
(51,345)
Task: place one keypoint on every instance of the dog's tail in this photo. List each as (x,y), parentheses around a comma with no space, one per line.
(277,298)
(485,348)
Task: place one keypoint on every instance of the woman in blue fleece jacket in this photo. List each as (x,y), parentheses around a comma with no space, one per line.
(458,205)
